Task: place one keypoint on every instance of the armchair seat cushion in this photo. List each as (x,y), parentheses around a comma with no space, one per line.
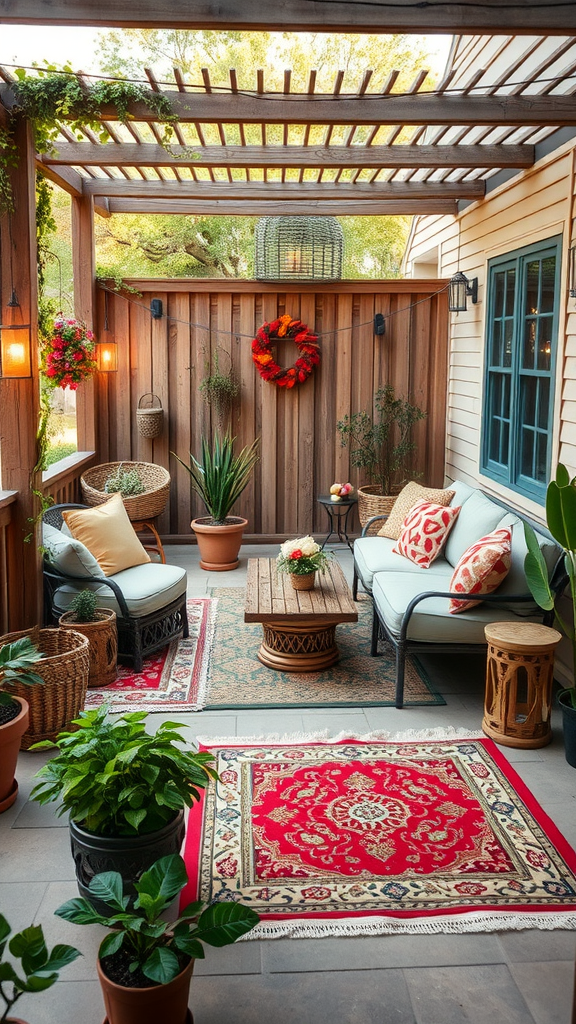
(146,588)
(431,621)
(375,554)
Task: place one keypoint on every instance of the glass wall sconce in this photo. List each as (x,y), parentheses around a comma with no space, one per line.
(106,348)
(15,350)
(459,289)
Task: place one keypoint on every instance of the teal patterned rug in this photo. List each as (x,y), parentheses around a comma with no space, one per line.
(238,680)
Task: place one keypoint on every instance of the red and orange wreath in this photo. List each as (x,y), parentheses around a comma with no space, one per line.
(306,342)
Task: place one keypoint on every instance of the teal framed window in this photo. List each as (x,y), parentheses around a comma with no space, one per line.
(521,342)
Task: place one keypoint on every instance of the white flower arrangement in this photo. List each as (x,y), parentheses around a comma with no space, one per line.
(301,556)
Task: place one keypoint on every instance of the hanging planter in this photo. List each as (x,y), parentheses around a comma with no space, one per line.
(150,420)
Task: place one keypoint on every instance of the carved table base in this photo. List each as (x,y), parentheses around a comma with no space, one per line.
(309,647)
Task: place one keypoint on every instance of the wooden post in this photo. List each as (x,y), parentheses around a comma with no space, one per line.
(83,264)
(19,399)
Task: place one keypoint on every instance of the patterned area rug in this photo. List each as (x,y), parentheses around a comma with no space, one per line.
(361,836)
(173,679)
(238,680)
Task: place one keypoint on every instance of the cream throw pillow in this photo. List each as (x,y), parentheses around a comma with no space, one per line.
(406,500)
(108,534)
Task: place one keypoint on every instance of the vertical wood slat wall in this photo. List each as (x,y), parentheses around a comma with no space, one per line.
(300,453)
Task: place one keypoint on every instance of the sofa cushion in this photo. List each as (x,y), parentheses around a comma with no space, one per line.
(478,517)
(482,568)
(406,500)
(108,534)
(431,621)
(461,490)
(146,589)
(375,554)
(515,582)
(424,532)
(69,556)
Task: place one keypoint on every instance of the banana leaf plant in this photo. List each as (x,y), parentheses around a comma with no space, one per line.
(220,476)
(561,521)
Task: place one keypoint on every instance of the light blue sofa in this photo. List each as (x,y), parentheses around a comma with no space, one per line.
(411,604)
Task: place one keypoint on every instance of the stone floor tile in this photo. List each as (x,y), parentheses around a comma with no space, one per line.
(266,723)
(240,958)
(380,997)
(37,855)
(535,945)
(35,815)
(547,989)
(350,720)
(466,995)
(67,1002)
(19,902)
(86,938)
(365,953)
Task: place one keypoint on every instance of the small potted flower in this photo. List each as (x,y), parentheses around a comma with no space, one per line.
(300,559)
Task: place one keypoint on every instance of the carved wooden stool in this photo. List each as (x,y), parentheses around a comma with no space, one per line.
(519,675)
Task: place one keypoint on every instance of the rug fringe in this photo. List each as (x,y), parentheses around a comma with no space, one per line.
(323,735)
(452,925)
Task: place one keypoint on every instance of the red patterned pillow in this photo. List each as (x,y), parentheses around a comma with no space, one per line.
(424,532)
(482,568)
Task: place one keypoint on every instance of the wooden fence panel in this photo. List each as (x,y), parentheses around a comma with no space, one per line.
(301,453)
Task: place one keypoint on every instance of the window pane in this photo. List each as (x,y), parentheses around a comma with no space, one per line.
(529,389)
(527,452)
(532,283)
(544,343)
(510,291)
(508,335)
(543,403)
(529,344)
(496,357)
(499,280)
(547,284)
(542,459)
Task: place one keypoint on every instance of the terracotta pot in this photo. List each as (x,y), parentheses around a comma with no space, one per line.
(219,545)
(165,1003)
(10,737)
(102,635)
(303,582)
(15,1020)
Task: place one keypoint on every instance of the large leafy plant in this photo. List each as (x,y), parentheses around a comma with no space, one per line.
(39,967)
(561,520)
(220,476)
(381,444)
(152,945)
(15,662)
(116,779)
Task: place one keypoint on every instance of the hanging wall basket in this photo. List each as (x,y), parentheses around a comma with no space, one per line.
(150,420)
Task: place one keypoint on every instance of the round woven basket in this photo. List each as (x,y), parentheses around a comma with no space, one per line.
(152,503)
(150,421)
(303,581)
(371,502)
(64,669)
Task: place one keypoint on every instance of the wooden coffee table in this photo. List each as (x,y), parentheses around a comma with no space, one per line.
(299,625)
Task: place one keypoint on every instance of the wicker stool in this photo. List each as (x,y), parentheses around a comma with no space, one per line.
(519,677)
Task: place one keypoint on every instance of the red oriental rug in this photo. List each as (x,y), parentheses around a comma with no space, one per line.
(173,679)
(360,836)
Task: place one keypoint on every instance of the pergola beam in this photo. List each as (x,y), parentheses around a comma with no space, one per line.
(489,16)
(70,181)
(120,188)
(149,154)
(283,208)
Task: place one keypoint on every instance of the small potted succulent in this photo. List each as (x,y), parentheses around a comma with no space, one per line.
(124,789)
(15,662)
(301,559)
(145,964)
(98,625)
(39,967)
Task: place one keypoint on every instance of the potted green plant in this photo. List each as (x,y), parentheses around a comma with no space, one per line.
(561,521)
(219,479)
(145,963)
(15,661)
(39,967)
(124,789)
(98,625)
(219,389)
(382,445)
(301,559)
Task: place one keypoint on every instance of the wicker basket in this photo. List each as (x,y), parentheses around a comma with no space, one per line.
(64,670)
(139,507)
(102,636)
(371,502)
(150,421)
(303,581)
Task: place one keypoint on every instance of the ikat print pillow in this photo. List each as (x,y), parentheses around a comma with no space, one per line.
(481,568)
(425,531)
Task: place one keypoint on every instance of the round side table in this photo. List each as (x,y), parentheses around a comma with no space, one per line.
(519,674)
(338,513)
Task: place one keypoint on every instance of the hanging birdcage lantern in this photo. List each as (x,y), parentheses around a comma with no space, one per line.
(298,249)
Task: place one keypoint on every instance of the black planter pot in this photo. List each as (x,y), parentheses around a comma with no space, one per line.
(569,726)
(129,855)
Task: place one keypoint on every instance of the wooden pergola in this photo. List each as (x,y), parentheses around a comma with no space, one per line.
(370,151)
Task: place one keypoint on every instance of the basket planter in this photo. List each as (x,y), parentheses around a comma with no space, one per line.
(150,421)
(302,581)
(167,1003)
(219,545)
(10,738)
(64,669)
(371,502)
(139,507)
(102,636)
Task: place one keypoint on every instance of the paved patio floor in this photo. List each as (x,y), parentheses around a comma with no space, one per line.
(514,977)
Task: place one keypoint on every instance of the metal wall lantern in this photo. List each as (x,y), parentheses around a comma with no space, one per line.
(107,348)
(459,289)
(298,249)
(15,344)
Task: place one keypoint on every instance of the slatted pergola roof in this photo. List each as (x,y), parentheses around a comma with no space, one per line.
(363,148)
